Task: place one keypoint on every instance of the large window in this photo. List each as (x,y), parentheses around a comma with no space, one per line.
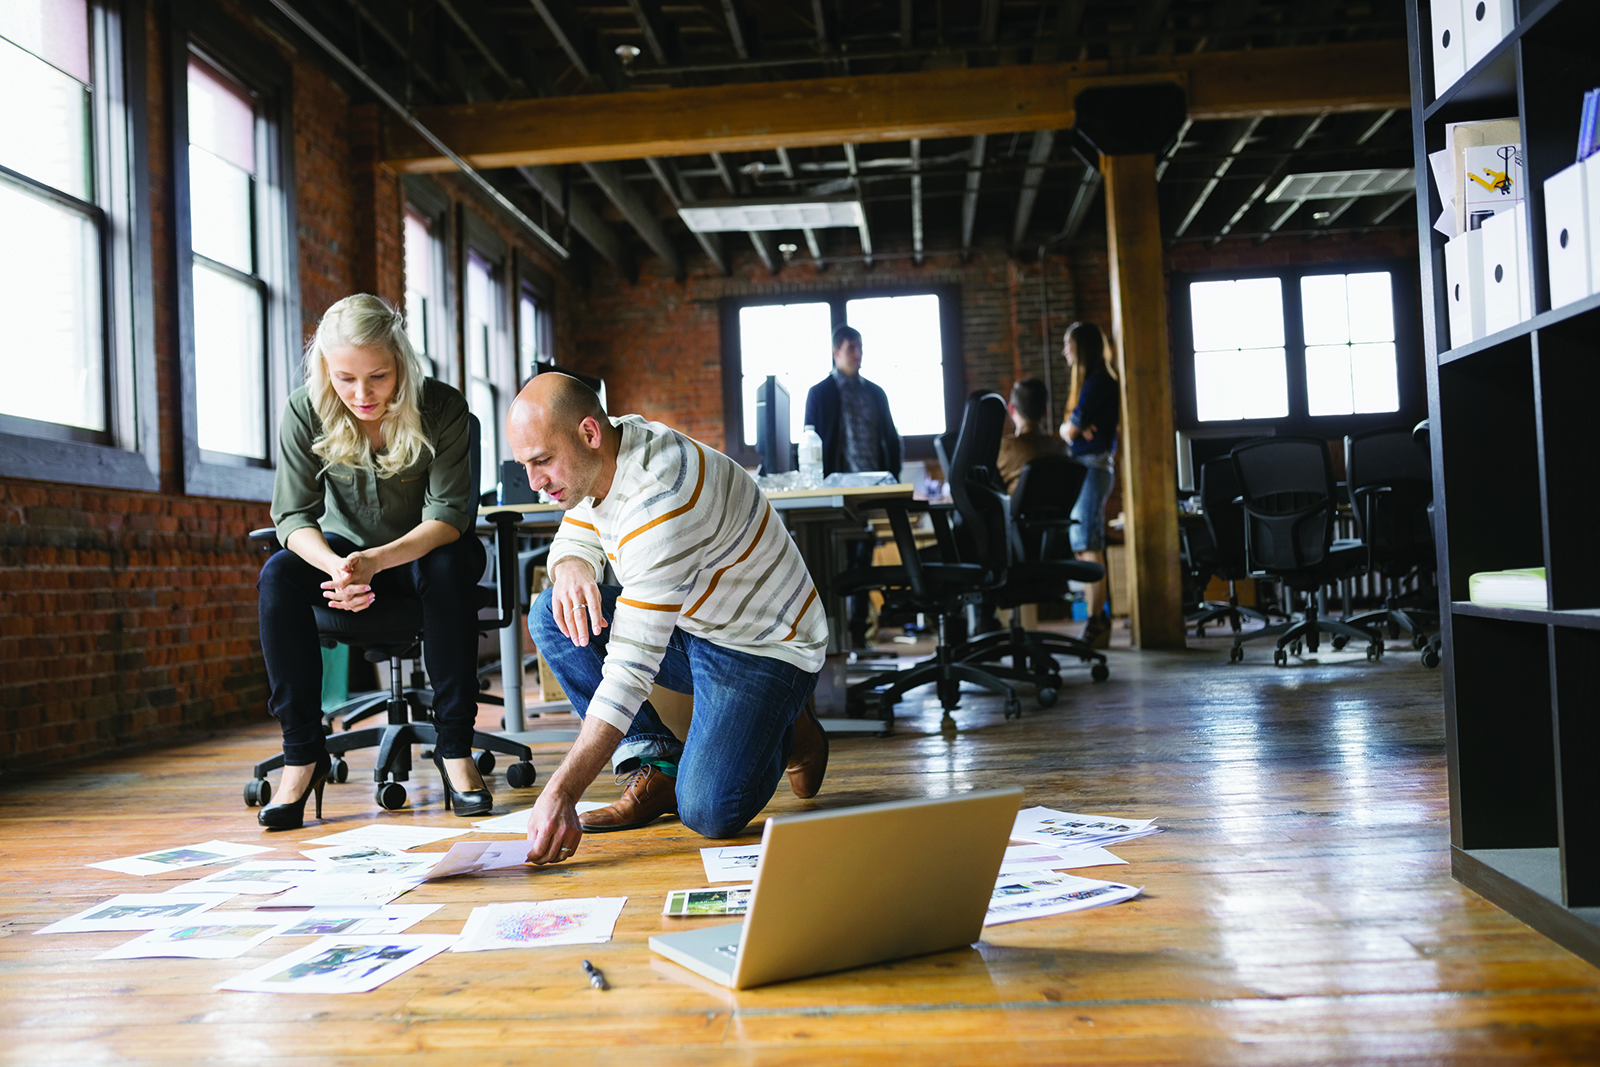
(238,316)
(75,307)
(1319,349)
(910,347)
(422,310)
(429,303)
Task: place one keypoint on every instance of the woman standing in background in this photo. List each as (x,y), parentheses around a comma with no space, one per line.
(1090,431)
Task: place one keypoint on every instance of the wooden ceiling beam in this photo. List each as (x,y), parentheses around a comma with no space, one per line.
(894,107)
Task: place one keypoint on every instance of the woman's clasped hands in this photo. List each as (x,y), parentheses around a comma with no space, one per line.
(350,588)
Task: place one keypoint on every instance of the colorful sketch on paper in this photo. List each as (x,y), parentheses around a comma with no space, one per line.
(522,926)
(205,933)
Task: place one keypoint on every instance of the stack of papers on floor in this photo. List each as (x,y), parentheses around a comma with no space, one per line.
(1524,588)
(1034,896)
(1061,829)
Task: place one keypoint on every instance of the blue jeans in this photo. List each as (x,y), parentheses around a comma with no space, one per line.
(1089,532)
(741,732)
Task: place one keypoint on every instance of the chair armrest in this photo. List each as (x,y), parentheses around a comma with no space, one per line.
(266,539)
(507,575)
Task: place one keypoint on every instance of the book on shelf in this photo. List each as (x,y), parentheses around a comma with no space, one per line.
(1520,588)
(1587,125)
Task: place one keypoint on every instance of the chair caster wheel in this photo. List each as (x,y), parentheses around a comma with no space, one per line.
(1430,658)
(521,775)
(1280,657)
(1375,651)
(1339,641)
(391,796)
(1297,648)
(1419,641)
(340,771)
(1200,631)
(1236,654)
(484,761)
(257,792)
(1013,708)
(1046,697)
(1099,672)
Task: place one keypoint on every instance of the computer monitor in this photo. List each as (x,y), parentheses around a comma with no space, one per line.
(1197,446)
(772,427)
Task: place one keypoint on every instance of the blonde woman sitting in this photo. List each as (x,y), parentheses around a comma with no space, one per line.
(372,499)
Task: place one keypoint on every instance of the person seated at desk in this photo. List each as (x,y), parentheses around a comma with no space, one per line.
(372,498)
(1029,401)
(852,417)
(714,600)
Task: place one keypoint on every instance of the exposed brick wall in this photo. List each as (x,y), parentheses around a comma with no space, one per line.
(128,617)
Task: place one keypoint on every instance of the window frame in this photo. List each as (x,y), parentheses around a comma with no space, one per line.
(1410,372)
(480,239)
(220,43)
(914,447)
(531,280)
(422,195)
(127,454)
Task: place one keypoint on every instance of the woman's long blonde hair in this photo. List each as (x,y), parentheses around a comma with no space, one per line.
(365,321)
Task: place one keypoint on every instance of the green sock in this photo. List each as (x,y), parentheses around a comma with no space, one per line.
(667,767)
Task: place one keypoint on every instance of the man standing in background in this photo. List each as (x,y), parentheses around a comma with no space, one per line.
(851,415)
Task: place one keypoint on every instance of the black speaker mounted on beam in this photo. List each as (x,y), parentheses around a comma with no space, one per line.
(1129,120)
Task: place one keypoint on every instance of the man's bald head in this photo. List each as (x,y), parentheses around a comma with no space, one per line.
(555,401)
(558,430)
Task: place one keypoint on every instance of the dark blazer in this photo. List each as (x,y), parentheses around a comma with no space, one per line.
(822,412)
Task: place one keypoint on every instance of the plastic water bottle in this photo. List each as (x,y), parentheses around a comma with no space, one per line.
(811,458)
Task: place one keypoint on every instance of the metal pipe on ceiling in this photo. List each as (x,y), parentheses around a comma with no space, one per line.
(422,131)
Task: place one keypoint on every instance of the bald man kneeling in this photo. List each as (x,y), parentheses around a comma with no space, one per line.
(714,600)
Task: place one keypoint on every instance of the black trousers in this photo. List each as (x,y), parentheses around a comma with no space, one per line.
(445,580)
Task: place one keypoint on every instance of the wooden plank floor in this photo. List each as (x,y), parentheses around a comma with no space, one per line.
(1297,910)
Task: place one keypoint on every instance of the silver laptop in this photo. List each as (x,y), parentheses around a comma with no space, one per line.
(846,888)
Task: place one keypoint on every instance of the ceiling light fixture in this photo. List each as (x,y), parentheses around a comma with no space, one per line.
(627,53)
(1340,184)
(721,217)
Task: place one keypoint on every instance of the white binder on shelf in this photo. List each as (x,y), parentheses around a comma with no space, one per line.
(1566,235)
(1487,23)
(1502,284)
(1449,44)
(1463,273)
(1524,267)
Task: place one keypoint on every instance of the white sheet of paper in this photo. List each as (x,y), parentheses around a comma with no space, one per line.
(1021,858)
(733,863)
(342,964)
(377,882)
(584,921)
(1063,829)
(475,857)
(218,936)
(398,838)
(165,860)
(357,921)
(135,911)
(357,853)
(1035,897)
(516,822)
(258,877)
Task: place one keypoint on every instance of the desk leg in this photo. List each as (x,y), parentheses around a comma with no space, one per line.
(511,671)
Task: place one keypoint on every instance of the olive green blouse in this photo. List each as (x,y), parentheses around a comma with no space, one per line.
(358,504)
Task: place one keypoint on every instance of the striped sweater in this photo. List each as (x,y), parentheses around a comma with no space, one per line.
(695,545)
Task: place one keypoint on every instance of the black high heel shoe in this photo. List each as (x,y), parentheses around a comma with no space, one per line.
(465,802)
(292,815)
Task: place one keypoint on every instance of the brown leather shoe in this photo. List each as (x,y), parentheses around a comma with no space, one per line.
(650,794)
(808,759)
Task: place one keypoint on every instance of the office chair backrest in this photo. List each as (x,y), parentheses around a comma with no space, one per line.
(1219,495)
(1041,508)
(475,459)
(1391,485)
(1289,505)
(974,484)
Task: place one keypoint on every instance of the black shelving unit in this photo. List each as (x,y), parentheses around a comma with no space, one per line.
(1516,467)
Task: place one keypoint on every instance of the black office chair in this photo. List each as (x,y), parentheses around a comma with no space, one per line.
(945,587)
(1041,567)
(391,629)
(1223,555)
(1290,505)
(1391,492)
